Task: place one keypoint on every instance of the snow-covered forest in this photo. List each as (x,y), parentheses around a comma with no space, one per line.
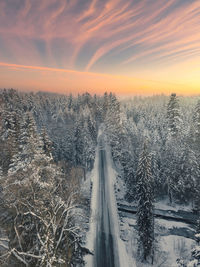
(48,144)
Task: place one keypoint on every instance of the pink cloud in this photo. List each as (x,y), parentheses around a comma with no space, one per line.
(158,28)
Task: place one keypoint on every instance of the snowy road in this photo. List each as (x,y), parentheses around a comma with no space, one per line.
(105,249)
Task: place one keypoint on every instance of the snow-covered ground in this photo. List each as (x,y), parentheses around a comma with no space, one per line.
(94,180)
(174,239)
(164,205)
(169,247)
(125,258)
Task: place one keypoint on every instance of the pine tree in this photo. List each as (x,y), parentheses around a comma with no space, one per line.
(79,142)
(47,144)
(188,175)
(197,118)
(30,145)
(196,128)
(145,217)
(171,156)
(70,102)
(114,127)
(10,135)
(173,115)
(104,106)
(92,129)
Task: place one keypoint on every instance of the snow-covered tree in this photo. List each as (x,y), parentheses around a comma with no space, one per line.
(79,142)
(92,129)
(145,217)
(195,130)
(196,119)
(47,144)
(189,174)
(42,231)
(173,115)
(10,135)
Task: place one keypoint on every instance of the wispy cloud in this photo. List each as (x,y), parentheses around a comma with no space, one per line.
(65,81)
(158,28)
(94,35)
(39,68)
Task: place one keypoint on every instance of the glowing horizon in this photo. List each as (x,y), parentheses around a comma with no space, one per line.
(129,47)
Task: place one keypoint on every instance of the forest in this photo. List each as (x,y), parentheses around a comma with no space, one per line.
(48,144)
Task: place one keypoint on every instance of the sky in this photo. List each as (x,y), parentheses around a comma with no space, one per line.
(125,46)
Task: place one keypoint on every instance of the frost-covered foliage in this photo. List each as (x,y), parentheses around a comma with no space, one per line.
(173,116)
(41,229)
(70,124)
(171,124)
(145,217)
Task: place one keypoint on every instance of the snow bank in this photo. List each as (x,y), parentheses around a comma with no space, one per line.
(173,224)
(94,198)
(176,247)
(164,205)
(125,260)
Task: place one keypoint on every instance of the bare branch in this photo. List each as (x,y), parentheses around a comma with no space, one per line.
(18,257)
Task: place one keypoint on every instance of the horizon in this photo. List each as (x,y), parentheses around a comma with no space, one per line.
(127,47)
(121,97)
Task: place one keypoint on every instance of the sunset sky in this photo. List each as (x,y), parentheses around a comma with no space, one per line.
(125,46)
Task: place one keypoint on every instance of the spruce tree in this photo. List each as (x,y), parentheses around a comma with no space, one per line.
(145,217)
(197,117)
(47,144)
(10,135)
(30,145)
(188,176)
(92,129)
(173,115)
(79,142)
(196,128)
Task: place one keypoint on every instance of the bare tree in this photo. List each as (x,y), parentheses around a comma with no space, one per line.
(42,231)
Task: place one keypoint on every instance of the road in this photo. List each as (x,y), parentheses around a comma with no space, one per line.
(105,252)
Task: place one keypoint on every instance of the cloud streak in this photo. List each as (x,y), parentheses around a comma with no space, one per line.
(65,81)
(99,35)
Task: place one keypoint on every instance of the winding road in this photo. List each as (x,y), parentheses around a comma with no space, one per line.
(105,252)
